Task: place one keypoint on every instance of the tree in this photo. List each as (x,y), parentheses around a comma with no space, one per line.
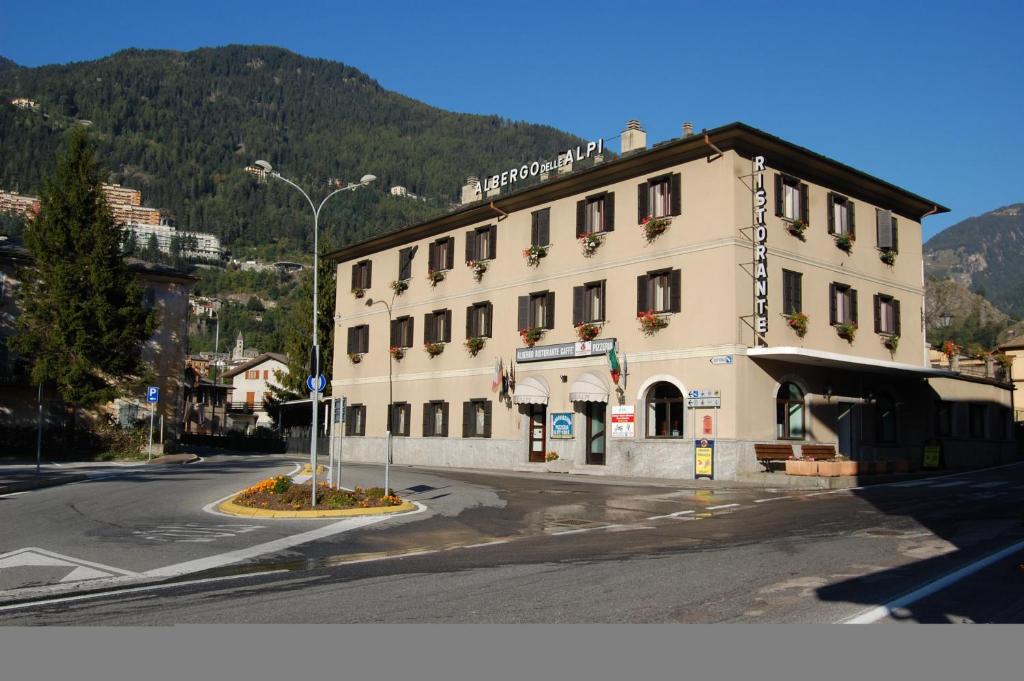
(83,321)
(298,338)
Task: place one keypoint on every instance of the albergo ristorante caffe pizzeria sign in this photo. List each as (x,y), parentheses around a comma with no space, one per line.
(540,353)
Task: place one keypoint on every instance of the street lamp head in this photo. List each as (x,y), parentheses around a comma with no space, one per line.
(369,302)
(367,179)
(264,165)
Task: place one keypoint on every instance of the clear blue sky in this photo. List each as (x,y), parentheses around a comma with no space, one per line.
(927,95)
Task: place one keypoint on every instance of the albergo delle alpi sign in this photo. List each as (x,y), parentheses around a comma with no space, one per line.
(513,175)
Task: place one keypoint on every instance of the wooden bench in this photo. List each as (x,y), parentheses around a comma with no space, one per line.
(817,452)
(766,454)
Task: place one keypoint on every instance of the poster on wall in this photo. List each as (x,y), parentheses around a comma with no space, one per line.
(704,459)
(561,425)
(932,457)
(624,421)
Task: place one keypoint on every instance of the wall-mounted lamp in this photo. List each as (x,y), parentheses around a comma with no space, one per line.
(564,378)
(828,394)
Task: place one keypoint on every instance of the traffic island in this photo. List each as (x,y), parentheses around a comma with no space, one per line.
(281,497)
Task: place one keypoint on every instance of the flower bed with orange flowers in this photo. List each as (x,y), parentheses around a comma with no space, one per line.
(281,494)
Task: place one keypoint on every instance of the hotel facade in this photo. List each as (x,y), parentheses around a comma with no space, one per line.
(656,315)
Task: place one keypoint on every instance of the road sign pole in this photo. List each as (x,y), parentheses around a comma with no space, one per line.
(152,413)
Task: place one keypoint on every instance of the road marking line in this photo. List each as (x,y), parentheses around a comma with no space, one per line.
(995,483)
(915,483)
(761,501)
(882,611)
(947,475)
(486,543)
(151,587)
(715,508)
(669,515)
(818,494)
(955,483)
(288,542)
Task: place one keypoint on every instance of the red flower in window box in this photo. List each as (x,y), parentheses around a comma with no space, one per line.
(588,331)
(531,335)
(651,323)
(654,227)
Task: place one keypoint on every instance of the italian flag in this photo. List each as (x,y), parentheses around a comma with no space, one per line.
(613,366)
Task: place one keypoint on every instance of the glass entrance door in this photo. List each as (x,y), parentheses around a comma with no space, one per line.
(595,433)
(538,432)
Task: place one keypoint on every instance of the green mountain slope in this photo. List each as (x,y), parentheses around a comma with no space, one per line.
(182,126)
(986,254)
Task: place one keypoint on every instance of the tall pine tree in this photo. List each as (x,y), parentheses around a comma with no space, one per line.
(298,338)
(83,321)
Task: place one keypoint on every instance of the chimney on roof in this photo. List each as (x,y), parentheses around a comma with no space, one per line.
(633,138)
(566,166)
(687,129)
(471,190)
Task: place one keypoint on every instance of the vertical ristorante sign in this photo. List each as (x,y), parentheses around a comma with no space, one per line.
(760,249)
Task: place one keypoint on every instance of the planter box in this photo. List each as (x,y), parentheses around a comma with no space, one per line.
(849,467)
(798,467)
(559,466)
(830,469)
(902,466)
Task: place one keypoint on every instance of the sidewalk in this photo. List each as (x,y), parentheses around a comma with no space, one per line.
(20,475)
(21,480)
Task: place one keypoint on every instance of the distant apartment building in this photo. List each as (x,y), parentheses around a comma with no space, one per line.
(15,203)
(252,385)
(25,103)
(199,245)
(116,194)
(256,171)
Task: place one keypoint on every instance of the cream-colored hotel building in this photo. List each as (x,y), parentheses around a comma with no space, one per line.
(696,262)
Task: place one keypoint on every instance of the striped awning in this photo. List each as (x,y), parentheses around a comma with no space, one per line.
(588,388)
(531,390)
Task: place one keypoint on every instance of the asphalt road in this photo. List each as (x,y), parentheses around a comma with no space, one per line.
(507,548)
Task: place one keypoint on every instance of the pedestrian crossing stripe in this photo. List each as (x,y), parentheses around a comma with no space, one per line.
(32,556)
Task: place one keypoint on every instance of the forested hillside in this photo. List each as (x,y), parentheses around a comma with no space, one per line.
(182,126)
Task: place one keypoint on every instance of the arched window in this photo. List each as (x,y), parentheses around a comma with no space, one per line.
(664,411)
(789,412)
(885,423)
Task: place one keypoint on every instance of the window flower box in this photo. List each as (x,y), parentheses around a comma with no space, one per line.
(891,343)
(531,335)
(533,254)
(435,277)
(358,292)
(433,349)
(654,227)
(844,243)
(651,323)
(478,267)
(396,352)
(551,456)
(588,331)
(590,243)
(888,257)
(847,331)
(1004,360)
(355,357)
(798,322)
(951,350)
(475,345)
(399,286)
(797,228)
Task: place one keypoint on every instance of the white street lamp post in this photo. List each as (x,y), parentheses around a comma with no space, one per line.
(315,396)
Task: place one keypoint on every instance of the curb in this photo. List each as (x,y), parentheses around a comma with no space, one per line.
(175,459)
(230,508)
(39,484)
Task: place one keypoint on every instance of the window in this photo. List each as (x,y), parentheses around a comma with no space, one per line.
(405,257)
(435,419)
(792,292)
(887,315)
(478,320)
(885,424)
(401,332)
(355,419)
(482,243)
(840,216)
(361,275)
(252,374)
(659,197)
(664,411)
(595,214)
(442,254)
(398,418)
(977,420)
(437,326)
(588,303)
(943,418)
(791,198)
(537,310)
(789,412)
(540,227)
(842,304)
(359,339)
(888,235)
(476,418)
(659,291)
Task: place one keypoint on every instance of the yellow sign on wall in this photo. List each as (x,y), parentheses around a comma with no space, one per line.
(932,456)
(704,459)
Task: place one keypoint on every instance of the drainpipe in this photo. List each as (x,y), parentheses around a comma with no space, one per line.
(707,141)
(497,210)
